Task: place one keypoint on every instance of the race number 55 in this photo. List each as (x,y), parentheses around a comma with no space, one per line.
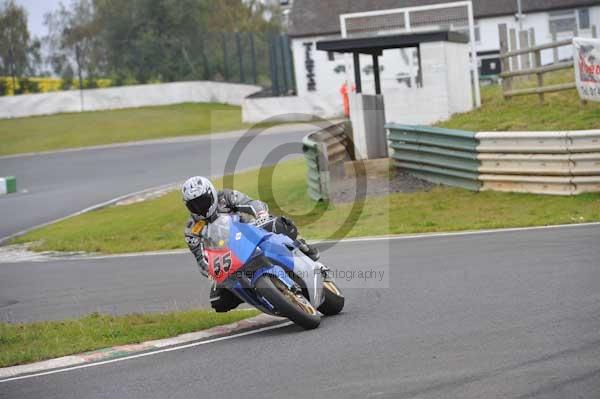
(224,261)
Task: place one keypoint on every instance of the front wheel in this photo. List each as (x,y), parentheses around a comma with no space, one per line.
(292,305)
(334,300)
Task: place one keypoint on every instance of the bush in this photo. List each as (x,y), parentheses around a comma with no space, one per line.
(91,83)
(3,87)
(123,79)
(27,86)
(32,86)
(67,78)
(20,88)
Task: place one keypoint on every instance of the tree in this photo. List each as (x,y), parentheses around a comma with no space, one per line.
(19,53)
(151,40)
(73,41)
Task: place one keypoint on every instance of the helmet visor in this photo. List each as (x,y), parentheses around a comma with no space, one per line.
(200,205)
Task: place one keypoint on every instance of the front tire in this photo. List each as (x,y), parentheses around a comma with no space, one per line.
(292,305)
(334,300)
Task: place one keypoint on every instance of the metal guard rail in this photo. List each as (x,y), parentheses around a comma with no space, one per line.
(561,163)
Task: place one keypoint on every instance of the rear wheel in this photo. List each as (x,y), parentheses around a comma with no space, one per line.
(334,300)
(292,305)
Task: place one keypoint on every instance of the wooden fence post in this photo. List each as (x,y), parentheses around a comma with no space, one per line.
(532,44)
(513,47)
(537,63)
(504,62)
(555,49)
(524,44)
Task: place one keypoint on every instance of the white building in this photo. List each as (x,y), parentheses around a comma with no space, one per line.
(321,75)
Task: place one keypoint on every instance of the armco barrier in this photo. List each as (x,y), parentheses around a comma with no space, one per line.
(559,163)
(522,142)
(325,152)
(530,164)
(583,141)
(441,156)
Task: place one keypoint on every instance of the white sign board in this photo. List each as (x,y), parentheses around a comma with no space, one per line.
(587,68)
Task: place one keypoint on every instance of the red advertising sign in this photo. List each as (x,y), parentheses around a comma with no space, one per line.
(587,68)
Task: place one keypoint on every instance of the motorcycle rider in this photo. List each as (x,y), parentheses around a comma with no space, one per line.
(205,203)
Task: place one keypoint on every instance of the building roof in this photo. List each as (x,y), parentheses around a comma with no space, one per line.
(321,17)
(375,45)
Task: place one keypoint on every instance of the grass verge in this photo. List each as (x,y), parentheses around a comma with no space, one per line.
(158,224)
(560,111)
(30,342)
(54,132)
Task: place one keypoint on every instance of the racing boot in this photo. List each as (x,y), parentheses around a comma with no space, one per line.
(222,300)
(308,249)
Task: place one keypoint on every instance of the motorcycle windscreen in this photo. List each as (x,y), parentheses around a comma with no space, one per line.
(229,245)
(222,260)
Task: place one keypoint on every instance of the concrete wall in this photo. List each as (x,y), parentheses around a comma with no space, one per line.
(367,114)
(294,108)
(330,75)
(124,97)
(446,87)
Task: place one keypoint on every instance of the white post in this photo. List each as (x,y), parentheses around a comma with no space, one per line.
(349,79)
(474,65)
(520,14)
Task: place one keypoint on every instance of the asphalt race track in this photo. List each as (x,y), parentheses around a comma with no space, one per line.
(59,184)
(508,314)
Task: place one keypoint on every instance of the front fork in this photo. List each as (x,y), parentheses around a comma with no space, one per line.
(325,272)
(328,282)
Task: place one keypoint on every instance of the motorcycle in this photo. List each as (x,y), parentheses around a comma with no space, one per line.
(269,272)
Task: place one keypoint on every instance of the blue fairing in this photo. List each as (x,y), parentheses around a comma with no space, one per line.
(244,239)
(277,247)
(248,297)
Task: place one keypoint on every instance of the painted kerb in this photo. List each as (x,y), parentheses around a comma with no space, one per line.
(8,185)
(559,163)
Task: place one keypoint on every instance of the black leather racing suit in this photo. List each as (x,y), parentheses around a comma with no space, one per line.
(235,201)
(229,201)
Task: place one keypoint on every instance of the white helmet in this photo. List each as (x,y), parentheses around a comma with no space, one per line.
(200,196)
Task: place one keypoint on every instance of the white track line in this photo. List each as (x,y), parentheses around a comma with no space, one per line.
(151,353)
(456,233)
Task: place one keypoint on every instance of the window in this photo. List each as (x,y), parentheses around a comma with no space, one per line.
(563,21)
(584,18)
